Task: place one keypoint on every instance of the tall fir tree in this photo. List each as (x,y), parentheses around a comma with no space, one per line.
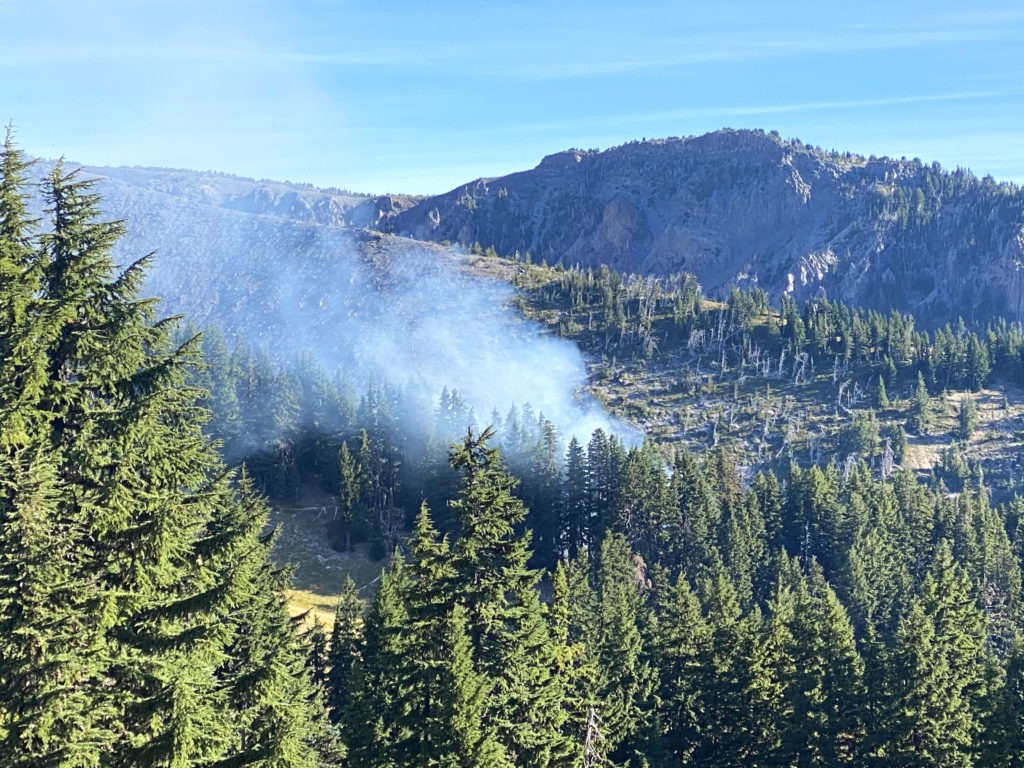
(346,650)
(573,622)
(472,742)
(821,673)
(276,717)
(937,672)
(372,724)
(680,647)
(1004,737)
(507,623)
(700,518)
(574,511)
(121,644)
(737,717)
(626,678)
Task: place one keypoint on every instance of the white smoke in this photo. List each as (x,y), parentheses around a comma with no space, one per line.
(376,309)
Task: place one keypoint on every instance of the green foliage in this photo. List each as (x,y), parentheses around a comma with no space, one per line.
(820,671)
(881,396)
(626,680)
(834,618)
(799,622)
(143,623)
(346,650)
(1005,743)
(680,649)
(936,673)
(461,663)
(862,435)
(920,414)
(967,418)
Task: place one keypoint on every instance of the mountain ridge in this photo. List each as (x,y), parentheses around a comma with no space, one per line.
(734,208)
(286,200)
(740,208)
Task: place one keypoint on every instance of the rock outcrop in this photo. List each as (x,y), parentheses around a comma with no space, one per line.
(746,207)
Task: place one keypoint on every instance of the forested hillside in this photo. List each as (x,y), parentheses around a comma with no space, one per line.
(674,607)
(819,621)
(844,557)
(817,382)
(771,581)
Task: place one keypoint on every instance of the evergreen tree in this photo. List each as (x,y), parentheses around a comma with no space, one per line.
(821,677)
(680,644)
(937,671)
(879,569)
(605,458)
(881,396)
(920,412)
(816,519)
(967,418)
(44,719)
(768,501)
(700,517)
(275,717)
(346,650)
(1005,731)
(373,724)
(744,551)
(574,510)
(647,514)
(507,624)
(220,382)
(127,556)
(737,697)
(541,492)
(21,320)
(626,679)
(351,492)
(573,626)
(472,743)
(424,675)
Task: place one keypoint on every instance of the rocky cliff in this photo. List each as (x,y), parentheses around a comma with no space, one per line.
(746,207)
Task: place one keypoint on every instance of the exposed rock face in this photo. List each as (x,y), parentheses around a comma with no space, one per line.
(745,207)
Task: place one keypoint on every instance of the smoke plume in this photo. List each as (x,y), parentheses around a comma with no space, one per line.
(374,308)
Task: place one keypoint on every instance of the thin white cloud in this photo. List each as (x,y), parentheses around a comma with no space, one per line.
(607,41)
(830,105)
(641,120)
(702,49)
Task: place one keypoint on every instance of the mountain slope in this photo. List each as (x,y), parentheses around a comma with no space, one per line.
(283,200)
(243,254)
(742,207)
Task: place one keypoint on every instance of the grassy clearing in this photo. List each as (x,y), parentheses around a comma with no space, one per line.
(319,571)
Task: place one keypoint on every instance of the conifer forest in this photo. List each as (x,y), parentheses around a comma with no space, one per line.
(761,578)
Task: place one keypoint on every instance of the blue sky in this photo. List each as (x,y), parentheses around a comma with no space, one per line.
(419,97)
